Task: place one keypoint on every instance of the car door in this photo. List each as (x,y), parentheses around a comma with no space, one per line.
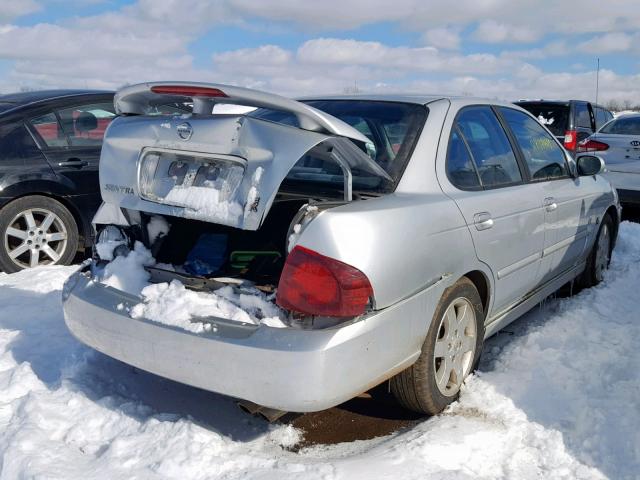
(503,212)
(71,139)
(566,200)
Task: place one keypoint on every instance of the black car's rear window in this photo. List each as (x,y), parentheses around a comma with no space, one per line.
(392,127)
(554,116)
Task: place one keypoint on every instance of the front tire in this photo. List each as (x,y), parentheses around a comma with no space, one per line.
(450,352)
(36,230)
(600,256)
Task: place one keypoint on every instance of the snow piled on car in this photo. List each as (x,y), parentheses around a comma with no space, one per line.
(557,396)
(175,305)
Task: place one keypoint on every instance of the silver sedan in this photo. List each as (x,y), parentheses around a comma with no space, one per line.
(618,143)
(400,231)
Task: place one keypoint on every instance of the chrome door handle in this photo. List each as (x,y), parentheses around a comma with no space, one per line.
(550,204)
(483,221)
(74,162)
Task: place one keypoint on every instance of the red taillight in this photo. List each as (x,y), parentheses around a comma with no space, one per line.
(570,139)
(317,285)
(188,91)
(589,145)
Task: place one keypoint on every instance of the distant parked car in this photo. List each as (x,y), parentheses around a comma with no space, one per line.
(618,143)
(49,150)
(571,121)
(401,232)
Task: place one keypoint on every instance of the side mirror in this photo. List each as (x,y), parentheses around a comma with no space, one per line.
(589,165)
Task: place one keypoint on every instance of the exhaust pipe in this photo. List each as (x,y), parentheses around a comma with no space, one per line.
(249,407)
(268,414)
(271,414)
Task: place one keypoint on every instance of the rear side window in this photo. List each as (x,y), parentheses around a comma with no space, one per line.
(623,126)
(583,117)
(16,143)
(489,147)
(544,157)
(460,168)
(554,116)
(85,125)
(49,130)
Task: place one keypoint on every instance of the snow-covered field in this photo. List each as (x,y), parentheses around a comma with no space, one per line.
(557,396)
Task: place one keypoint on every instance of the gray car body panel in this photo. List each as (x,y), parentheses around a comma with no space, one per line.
(266,150)
(411,244)
(622,159)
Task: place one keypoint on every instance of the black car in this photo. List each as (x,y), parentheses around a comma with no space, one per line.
(571,121)
(49,150)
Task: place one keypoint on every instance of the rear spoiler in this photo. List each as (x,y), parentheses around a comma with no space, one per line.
(139,99)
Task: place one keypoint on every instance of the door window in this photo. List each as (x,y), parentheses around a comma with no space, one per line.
(489,146)
(544,157)
(85,125)
(583,117)
(460,168)
(49,130)
(16,143)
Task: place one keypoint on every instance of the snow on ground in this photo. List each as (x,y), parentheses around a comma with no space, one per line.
(557,396)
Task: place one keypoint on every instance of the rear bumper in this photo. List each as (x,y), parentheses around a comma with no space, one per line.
(284,368)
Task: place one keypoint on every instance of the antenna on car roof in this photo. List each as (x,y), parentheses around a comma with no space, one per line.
(597,79)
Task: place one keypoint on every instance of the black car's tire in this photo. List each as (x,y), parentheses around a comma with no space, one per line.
(600,255)
(421,387)
(36,230)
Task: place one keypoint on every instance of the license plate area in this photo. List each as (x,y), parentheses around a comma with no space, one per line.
(176,177)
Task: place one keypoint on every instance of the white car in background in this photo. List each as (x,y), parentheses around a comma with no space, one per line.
(618,144)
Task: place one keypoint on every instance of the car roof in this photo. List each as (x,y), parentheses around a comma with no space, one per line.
(25,98)
(456,100)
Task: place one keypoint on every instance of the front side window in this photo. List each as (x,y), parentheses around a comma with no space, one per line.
(85,125)
(544,157)
(49,130)
(489,146)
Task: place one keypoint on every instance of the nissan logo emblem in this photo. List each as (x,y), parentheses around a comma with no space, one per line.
(635,143)
(185,130)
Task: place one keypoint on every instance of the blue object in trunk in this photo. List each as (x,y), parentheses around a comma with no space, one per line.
(208,254)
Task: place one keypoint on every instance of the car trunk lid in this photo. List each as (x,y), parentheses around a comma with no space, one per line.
(223,169)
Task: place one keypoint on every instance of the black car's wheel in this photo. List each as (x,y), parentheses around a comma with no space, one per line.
(600,256)
(36,230)
(450,352)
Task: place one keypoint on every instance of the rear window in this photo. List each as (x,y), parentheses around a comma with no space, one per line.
(553,116)
(392,127)
(623,126)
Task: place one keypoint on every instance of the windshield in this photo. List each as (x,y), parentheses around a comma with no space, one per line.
(392,127)
(553,116)
(623,126)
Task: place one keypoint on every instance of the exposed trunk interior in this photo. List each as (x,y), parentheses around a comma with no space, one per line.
(257,256)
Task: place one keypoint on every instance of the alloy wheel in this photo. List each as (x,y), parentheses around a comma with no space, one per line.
(36,236)
(455,346)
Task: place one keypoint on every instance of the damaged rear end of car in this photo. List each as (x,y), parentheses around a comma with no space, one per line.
(211,210)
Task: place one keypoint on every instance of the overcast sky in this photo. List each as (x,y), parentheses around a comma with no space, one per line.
(498,48)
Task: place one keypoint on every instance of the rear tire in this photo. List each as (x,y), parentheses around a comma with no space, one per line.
(36,230)
(600,255)
(450,352)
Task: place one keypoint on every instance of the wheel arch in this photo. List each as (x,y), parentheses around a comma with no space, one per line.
(482,284)
(69,205)
(612,211)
